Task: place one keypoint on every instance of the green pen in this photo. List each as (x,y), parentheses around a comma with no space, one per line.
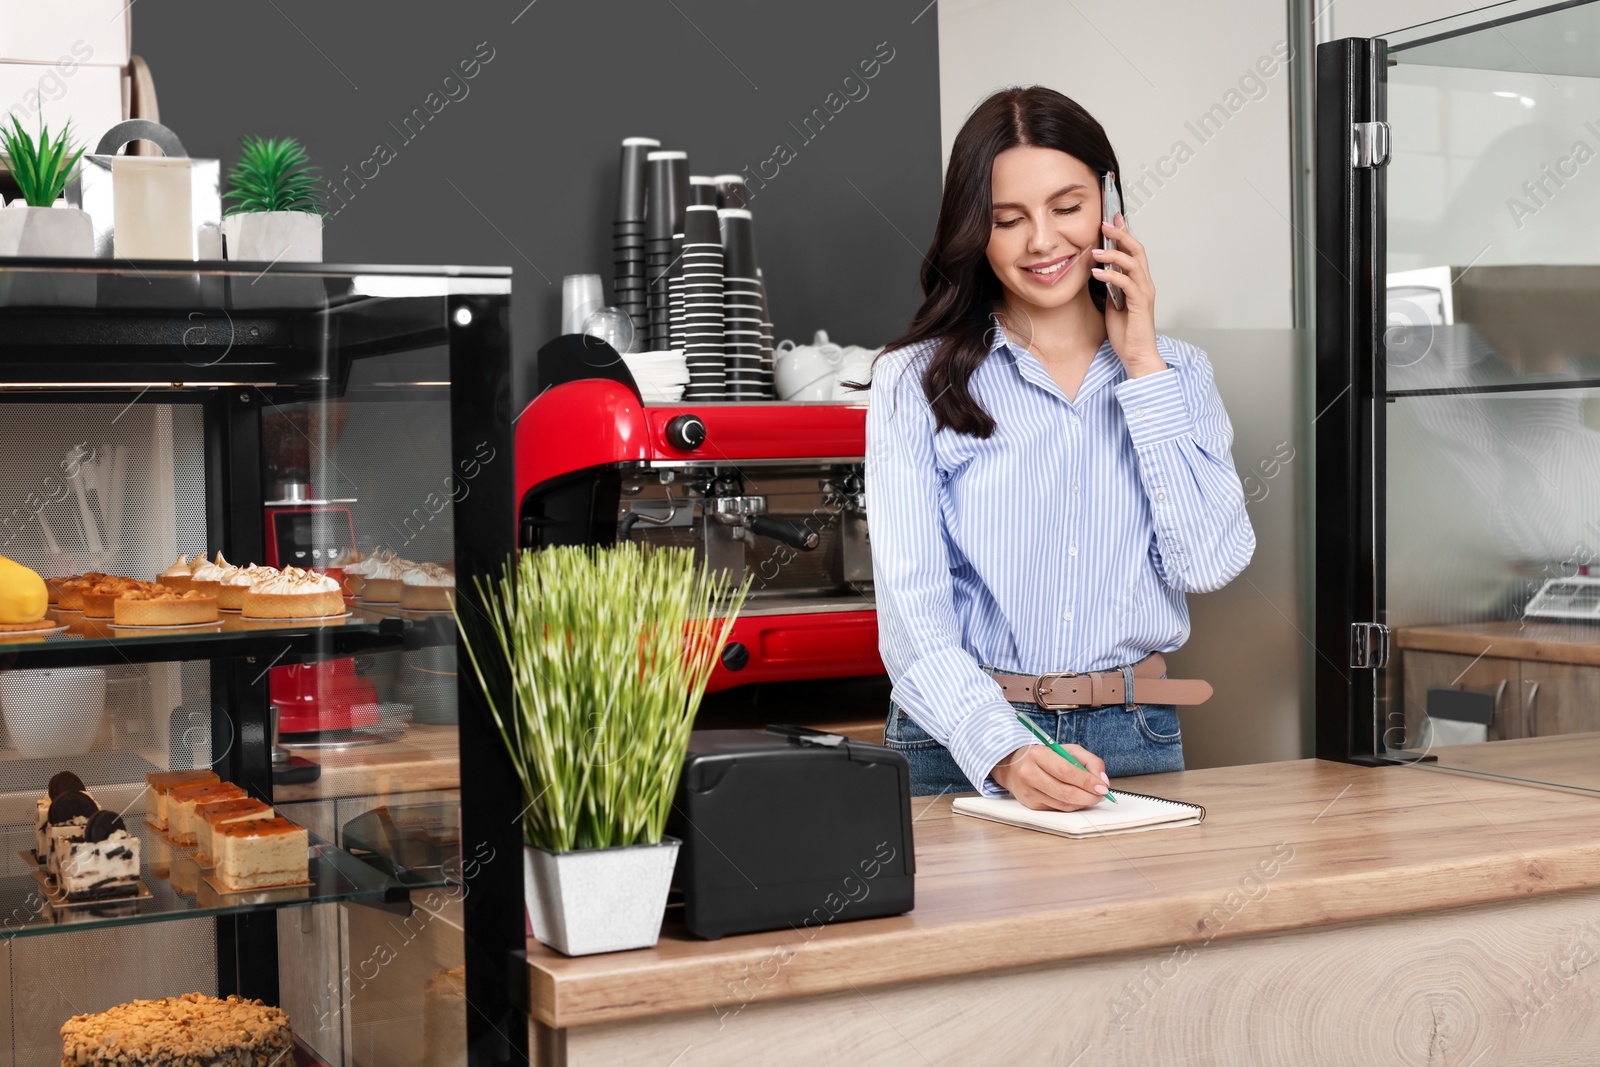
(1057,749)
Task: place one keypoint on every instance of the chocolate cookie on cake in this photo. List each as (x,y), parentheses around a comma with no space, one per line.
(60,782)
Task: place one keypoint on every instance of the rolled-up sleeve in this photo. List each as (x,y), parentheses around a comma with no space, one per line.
(1183,441)
(936,680)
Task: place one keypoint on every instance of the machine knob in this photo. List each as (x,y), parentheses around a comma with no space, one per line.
(735,656)
(686,433)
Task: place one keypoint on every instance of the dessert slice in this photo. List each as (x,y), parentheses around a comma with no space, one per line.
(163,606)
(428,587)
(176,576)
(158,784)
(104,864)
(293,594)
(181,804)
(180,1031)
(260,853)
(68,819)
(207,817)
(60,782)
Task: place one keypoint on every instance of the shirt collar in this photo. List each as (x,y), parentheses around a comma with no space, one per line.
(1102,369)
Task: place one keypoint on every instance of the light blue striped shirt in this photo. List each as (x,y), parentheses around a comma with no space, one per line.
(1065,541)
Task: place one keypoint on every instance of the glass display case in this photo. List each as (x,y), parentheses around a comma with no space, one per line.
(1458,395)
(254,490)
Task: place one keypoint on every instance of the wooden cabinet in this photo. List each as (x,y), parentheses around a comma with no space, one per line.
(1532,698)
(1500,678)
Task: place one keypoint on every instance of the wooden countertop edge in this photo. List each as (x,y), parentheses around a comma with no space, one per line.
(1503,646)
(892,951)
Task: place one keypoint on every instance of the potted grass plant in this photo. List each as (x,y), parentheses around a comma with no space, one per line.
(610,650)
(41,166)
(276,211)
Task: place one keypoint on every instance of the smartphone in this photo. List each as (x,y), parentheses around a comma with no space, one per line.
(1111,203)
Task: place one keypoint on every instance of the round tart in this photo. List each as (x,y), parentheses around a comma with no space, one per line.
(379,578)
(428,587)
(71,598)
(99,598)
(177,576)
(162,606)
(293,594)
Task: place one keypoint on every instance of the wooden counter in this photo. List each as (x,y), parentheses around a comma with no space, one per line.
(426,758)
(1309,906)
(1539,640)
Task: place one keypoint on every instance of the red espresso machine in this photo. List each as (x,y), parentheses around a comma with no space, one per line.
(326,703)
(769,490)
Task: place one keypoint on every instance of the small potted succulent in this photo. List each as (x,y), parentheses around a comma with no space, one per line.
(41,167)
(609,651)
(277,211)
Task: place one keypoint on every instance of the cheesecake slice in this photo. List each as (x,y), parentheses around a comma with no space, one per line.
(260,853)
(207,817)
(159,783)
(181,804)
(105,864)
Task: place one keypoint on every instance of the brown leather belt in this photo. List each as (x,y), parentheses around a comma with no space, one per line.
(1063,690)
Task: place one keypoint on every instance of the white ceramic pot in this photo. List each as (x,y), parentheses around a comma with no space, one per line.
(274,236)
(805,372)
(55,711)
(599,899)
(46,231)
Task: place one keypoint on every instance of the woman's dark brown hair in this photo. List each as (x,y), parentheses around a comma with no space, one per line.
(959,288)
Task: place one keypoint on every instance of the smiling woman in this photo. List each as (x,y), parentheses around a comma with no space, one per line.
(1047,477)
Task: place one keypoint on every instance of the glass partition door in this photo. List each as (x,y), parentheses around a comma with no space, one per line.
(1470,424)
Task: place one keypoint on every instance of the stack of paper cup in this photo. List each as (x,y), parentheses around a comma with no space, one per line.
(767,342)
(580,298)
(741,307)
(666,196)
(627,233)
(731,191)
(703,307)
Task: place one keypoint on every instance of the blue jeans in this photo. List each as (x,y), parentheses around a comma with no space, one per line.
(1145,740)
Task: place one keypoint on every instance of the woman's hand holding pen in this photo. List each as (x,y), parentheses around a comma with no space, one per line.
(1039,778)
(1133,329)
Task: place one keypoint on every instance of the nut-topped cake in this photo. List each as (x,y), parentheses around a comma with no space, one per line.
(193,1030)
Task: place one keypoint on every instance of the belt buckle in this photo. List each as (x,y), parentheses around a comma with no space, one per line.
(1042,690)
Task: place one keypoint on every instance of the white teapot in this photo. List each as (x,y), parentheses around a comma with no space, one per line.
(807,372)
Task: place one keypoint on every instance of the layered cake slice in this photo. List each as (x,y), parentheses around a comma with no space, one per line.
(104,864)
(207,817)
(181,804)
(159,783)
(260,853)
(67,822)
(60,782)
(185,1031)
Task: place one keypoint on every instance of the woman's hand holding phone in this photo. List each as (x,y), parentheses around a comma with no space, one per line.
(1132,327)
(1040,779)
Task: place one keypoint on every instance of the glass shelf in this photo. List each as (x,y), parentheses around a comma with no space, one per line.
(179,890)
(95,642)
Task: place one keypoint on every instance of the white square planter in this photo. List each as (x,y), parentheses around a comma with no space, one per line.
(274,236)
(46,231)
(600,899)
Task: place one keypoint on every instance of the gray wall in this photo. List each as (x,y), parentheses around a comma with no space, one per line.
(520,170)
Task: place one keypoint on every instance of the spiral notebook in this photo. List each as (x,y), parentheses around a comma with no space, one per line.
(1132,813)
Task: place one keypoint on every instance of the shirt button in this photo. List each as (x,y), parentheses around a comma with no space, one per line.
(1067,615)
(1138,413)
(1074,487)
(1072,549)
(1074,420)
(1161,497)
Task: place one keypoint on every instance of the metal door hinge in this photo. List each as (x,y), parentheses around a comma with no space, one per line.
(1369,645)
(1369,144)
